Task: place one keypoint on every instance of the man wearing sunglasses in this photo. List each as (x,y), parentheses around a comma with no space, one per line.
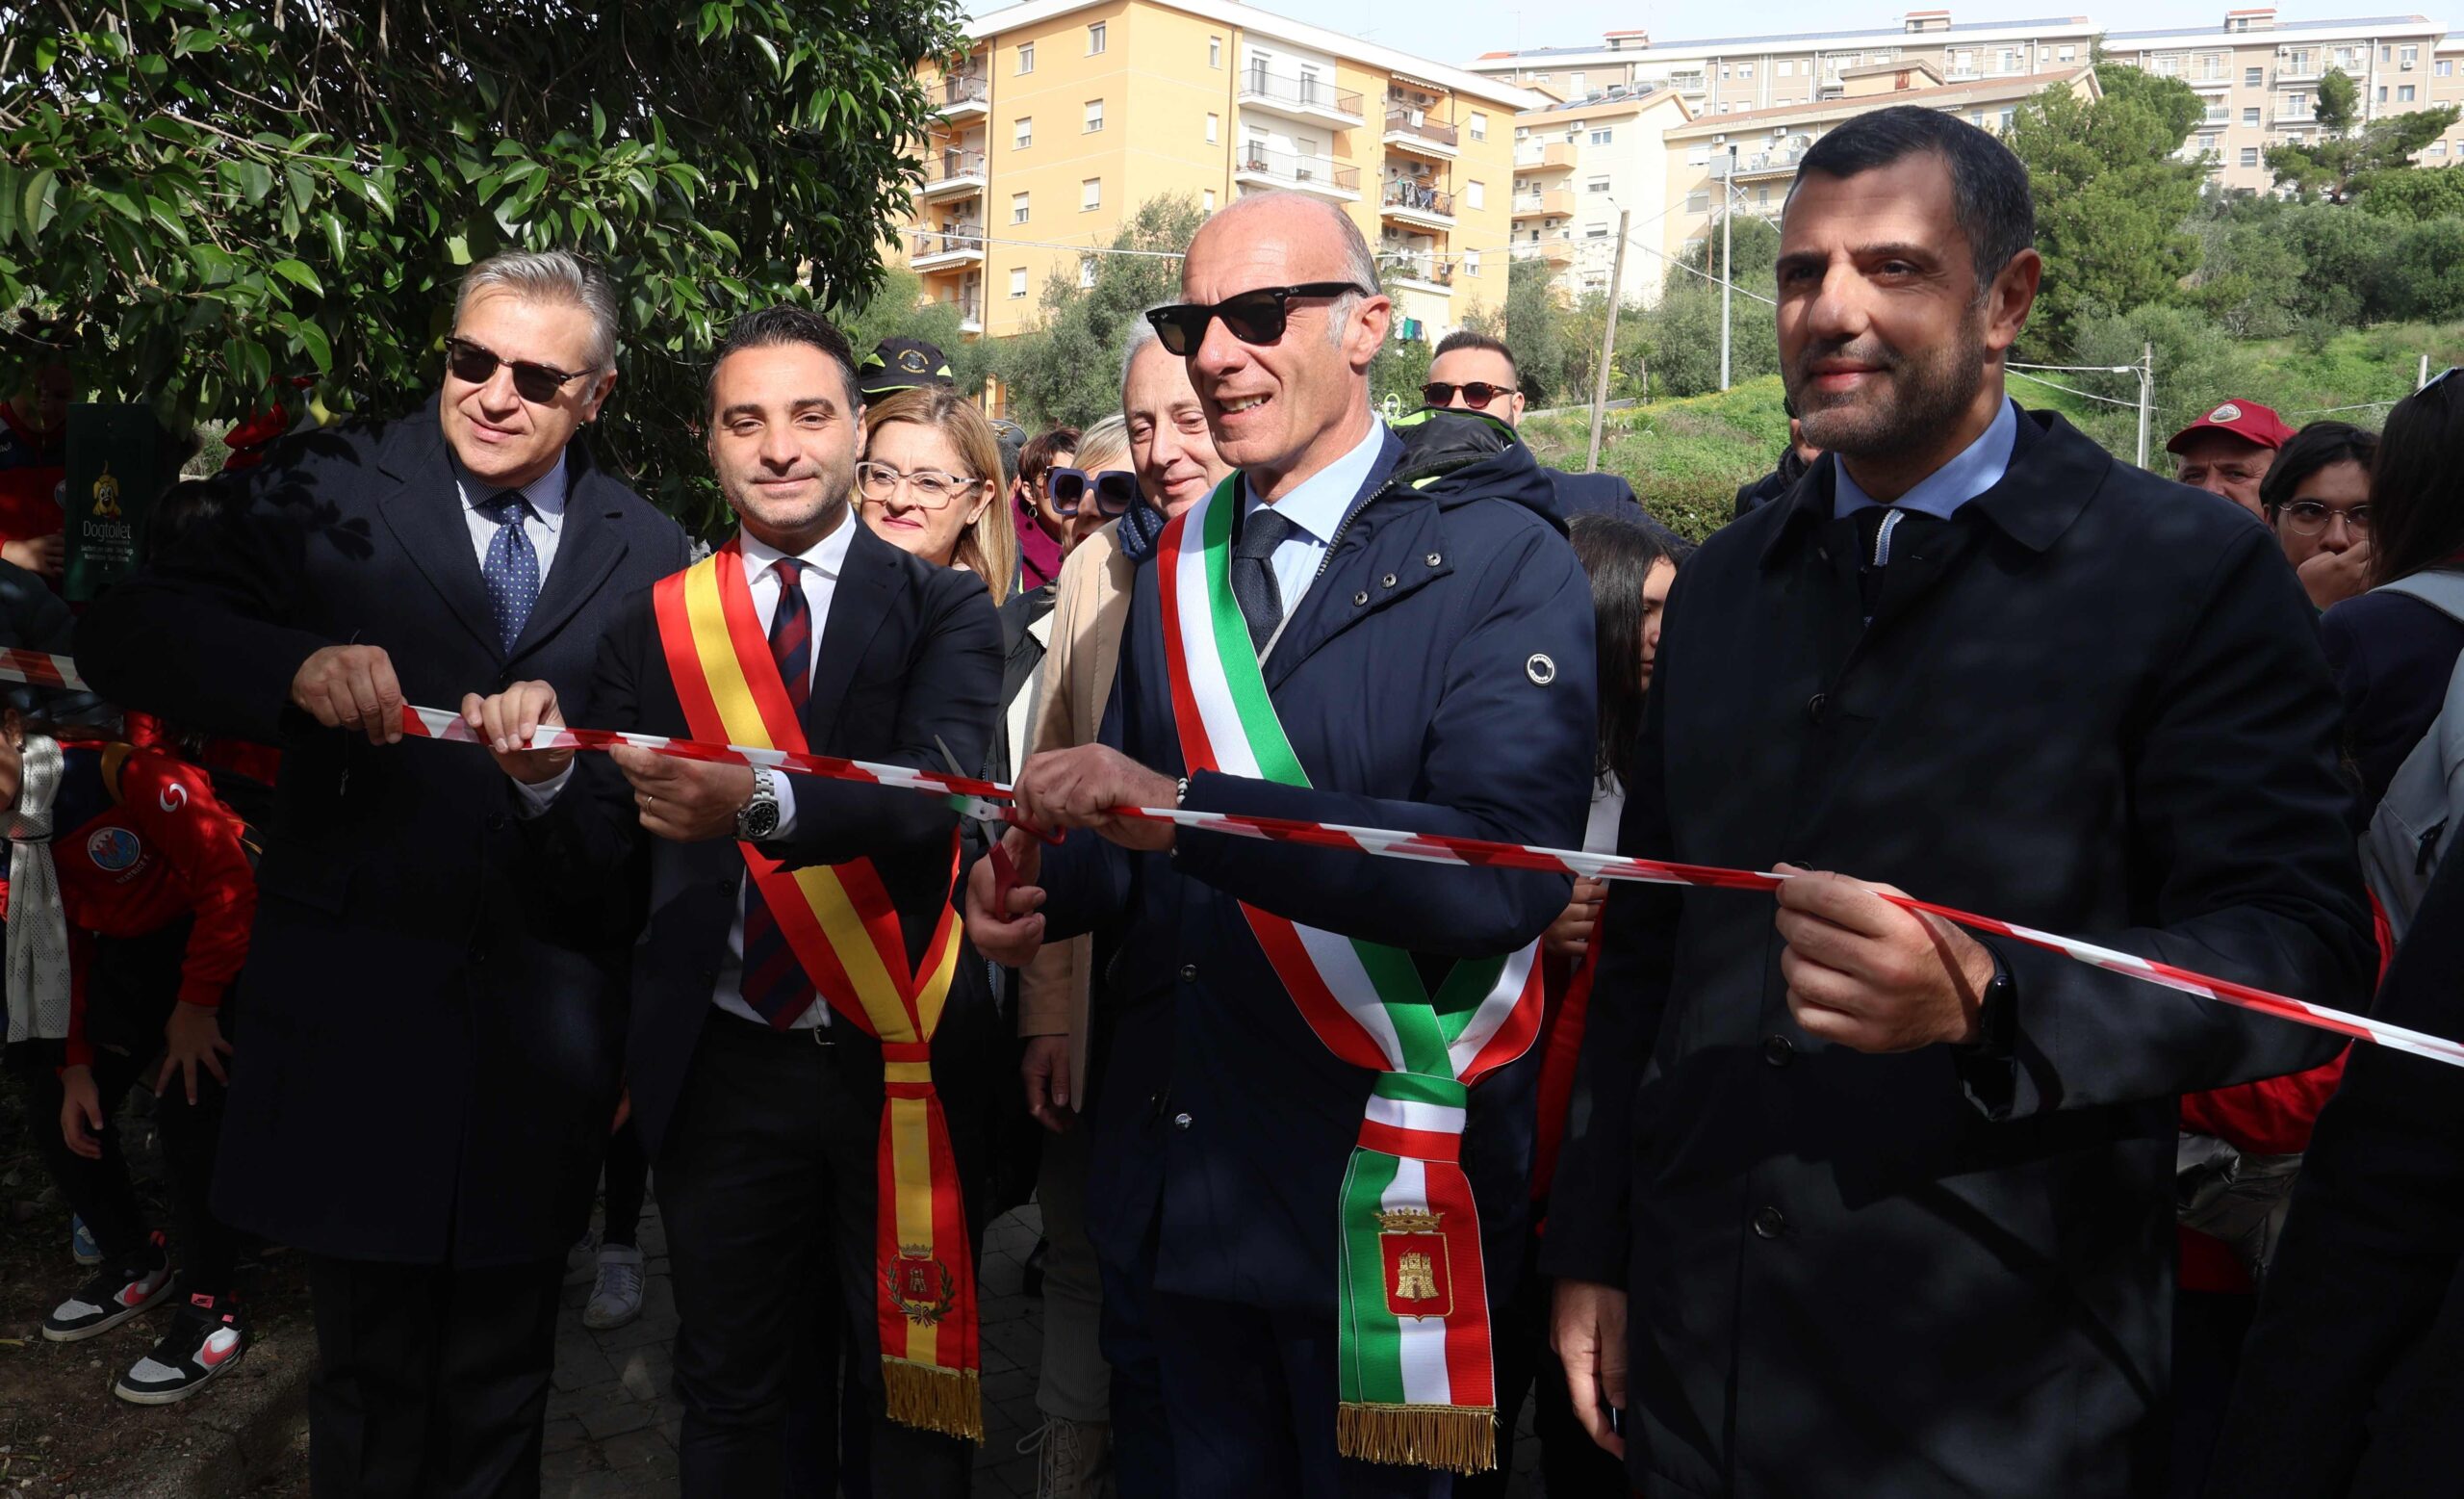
(1473,372)
(426,1089)
(1411,640)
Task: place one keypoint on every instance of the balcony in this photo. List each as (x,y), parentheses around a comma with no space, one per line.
(952,174)
(964,97)
(1544,156)
(1556,249)
(1412,130)
(2300,118)
(971,310)
(1550,203)
(1420,272)
(2306,73)
(959,244)
(1407,201)
(2222,83)
(1316,175)
(1311,99)
(1686,83)
(1763,165)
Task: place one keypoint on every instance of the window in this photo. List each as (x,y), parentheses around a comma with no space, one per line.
(2008,115)
(1762,197)
(1595,231)
(1476,196)
(1214,52)
(1744,70)
(2404,93)
(2436,148)
(2009,61)
(2382,93)
(1783,69)
(1699,202)
(2408,56)
(2251,114)
(2444,67)
(1017,280)
(1471,263)
(1206,201)
(2254,78)
(2068,54)
(1477,126)
(1086,273)
(1214,128)
(1094,116)
(1603,136)
(1091,195)
(1723,106)
(2218,114)
(1575,86)
(2386,54)
(1026,56)
(1022,133)
(2250,156)
(1596,185)
(1017,208)
(2207,144)
(1095,38)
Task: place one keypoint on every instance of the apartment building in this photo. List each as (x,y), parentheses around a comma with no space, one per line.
(1578,165)
(1746,161)
(1065,115)
(2259,77)
(1728,75)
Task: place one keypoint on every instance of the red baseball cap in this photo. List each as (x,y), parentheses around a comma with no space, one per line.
(2248,419)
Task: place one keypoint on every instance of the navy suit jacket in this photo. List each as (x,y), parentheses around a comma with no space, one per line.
(1593,494)
(420,1078)
(1405,682)
(908,659)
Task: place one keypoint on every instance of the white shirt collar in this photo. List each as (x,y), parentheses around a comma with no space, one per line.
(1978,468)
(1318,504)
(546,494)
(827,556)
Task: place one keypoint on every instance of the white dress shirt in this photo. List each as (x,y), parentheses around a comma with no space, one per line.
(820,580)
(1316,508)
(541,521)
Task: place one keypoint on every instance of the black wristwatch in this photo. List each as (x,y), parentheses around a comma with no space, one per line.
(758,817)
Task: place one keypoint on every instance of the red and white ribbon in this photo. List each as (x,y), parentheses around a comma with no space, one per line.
(991,799)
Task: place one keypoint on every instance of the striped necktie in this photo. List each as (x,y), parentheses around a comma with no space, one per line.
(774,983)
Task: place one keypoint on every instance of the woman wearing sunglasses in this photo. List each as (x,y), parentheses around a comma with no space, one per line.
(927,481)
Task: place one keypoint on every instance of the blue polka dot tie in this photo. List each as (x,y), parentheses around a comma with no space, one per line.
(512,567)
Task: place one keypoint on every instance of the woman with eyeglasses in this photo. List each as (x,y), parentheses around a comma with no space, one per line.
(931,470)
(2394,648)
(2317,499)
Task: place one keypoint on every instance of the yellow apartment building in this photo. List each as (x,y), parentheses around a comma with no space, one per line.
(1065,115)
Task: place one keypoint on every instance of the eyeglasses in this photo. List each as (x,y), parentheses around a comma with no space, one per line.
(931,488)
(1256,317)
(2310,517)
(1114,490)
(476,363)
(1476,394)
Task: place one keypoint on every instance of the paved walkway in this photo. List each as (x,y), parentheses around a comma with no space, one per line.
(612,1419)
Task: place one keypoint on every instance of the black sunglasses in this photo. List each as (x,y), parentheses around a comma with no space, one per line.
(536,384)
(1476,394)
(1254,317)
(1116,490)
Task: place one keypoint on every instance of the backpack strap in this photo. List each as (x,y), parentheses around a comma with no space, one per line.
(2442,588)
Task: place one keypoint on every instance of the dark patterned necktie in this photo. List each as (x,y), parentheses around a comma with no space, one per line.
(775,984)
(1253,583)
(511,568)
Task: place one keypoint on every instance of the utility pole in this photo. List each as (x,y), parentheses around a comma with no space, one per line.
(1608,344)
(2423,378)
(2146,395)
(1728,186)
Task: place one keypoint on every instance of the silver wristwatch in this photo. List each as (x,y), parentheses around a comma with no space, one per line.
(758,817)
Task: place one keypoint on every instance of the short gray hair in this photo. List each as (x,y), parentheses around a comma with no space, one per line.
(550,277)
(1141,333)
(1360,269)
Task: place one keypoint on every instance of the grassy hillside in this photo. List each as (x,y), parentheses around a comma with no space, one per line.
(1686,457)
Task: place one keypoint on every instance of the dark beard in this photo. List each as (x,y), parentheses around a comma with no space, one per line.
(1928,395)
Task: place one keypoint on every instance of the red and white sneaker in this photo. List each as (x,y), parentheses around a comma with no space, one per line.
(205,1339)
(118,1292)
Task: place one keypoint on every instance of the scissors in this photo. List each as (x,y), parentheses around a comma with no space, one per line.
(1005,869)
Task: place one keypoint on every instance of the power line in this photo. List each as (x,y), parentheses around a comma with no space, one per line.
(2066,390)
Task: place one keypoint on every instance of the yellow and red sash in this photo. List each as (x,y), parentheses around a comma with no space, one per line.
(840,924)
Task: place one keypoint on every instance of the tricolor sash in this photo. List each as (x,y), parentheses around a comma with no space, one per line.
(1416,1380)
(840,924)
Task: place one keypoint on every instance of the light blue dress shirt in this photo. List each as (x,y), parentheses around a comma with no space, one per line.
(543,522)
(1978,468)
(1316,507)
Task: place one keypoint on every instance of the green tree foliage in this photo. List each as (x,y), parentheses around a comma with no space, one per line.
(2339,98)
(2409,192)
(1530,322)
(1067,370)
(1682,332)
(223,194)
(2112,198)
(2335,166)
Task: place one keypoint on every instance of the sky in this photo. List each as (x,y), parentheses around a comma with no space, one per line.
(1456,30)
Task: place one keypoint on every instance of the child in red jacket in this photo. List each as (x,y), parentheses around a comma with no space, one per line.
(129,903)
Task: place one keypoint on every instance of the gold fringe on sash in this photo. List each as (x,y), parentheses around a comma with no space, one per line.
(934,1399)
(1458,1438)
